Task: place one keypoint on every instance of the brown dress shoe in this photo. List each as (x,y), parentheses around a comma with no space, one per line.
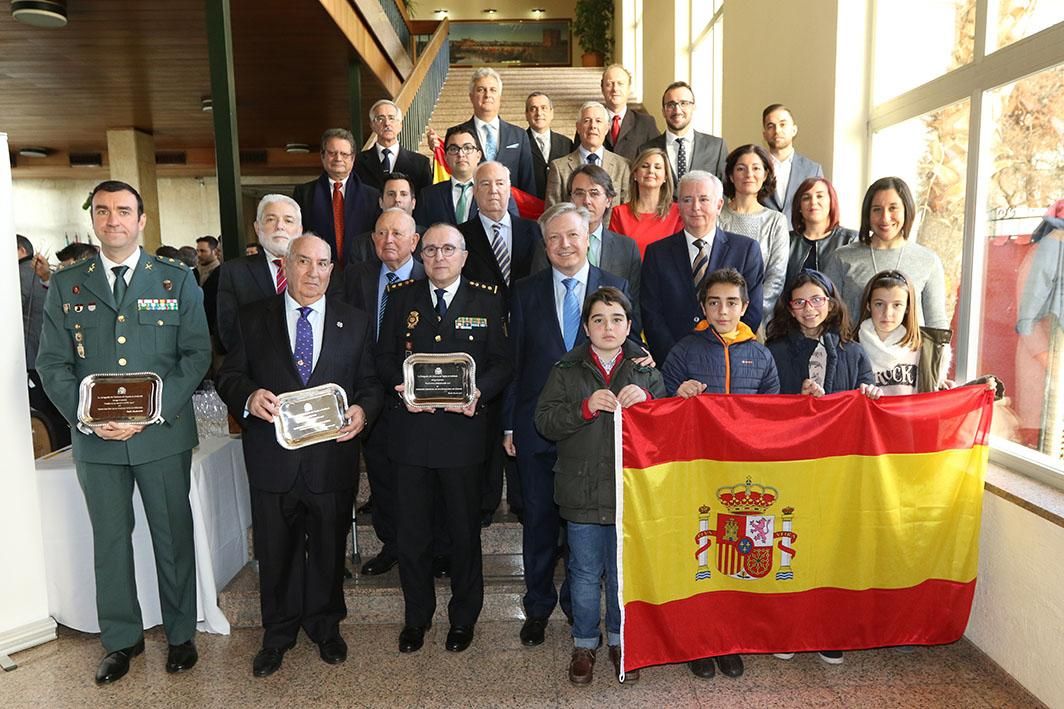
(615,658)
(581,665)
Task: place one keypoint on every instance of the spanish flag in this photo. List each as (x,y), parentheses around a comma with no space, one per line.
(757,524)
(529,206)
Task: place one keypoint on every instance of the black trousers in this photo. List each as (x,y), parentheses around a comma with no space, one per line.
(497,465)
(300,540)
(460,489)
(382,486)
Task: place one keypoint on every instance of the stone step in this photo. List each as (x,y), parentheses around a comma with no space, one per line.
(502,537)
(379,599)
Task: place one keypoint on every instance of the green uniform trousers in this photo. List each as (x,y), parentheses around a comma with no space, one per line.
(164,486)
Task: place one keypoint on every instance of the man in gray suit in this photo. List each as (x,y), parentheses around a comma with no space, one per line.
(778,128)
(687,148)
(591,128)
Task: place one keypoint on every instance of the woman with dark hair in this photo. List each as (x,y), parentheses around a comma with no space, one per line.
(887,216)
(649,214)
(748,183)
(816,233)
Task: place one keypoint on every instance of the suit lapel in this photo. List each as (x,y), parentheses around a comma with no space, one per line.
(594,280)
(370,281)
(548,307)
(323,207)
(719,253)
(260,274)
(277,323)
(330,327)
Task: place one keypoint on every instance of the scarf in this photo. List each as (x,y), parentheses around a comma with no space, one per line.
(893,365)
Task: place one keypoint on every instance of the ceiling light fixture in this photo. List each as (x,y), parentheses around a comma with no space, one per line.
(297,148)
(49,14)
(441,11)
(490,11)
(33,152)
(538,11)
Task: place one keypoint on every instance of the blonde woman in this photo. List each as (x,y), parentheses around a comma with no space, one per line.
(649,214)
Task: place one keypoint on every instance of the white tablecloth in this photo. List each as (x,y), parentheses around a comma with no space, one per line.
(221,515)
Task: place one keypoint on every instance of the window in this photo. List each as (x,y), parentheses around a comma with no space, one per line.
(918,40)
(1012,21)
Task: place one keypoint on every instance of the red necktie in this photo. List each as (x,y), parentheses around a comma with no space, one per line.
(615,130)
(338,220)
(282,280)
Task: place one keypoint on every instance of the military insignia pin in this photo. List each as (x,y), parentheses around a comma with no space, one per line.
(412,319)
(147,266)
(75,290)
(339,324)
(78,308)
(91,307)
(168,284)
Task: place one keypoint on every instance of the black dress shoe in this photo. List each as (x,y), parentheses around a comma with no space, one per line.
(379,564)
(441,567)
(115,665)
(181,657)
(333,651)
(702,667)
(412,638)
(269,659)
(730,665)
(532,631)
(459,637)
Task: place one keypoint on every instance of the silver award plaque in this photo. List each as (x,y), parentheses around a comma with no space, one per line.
(136,397)
(309,416)
(439,380)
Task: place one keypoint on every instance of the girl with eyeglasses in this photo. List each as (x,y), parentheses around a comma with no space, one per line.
(905,358)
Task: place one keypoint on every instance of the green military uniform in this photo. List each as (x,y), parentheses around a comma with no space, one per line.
(160,326)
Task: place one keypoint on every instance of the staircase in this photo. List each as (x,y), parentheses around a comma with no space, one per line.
(568,88)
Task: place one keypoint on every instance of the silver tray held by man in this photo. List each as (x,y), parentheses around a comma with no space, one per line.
(439,380)
(134,398)
(308,416)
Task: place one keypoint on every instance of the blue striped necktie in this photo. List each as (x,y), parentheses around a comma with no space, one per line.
(392,278)
(570,313)
(502,254)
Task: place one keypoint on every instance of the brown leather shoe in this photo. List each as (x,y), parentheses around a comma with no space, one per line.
(615,658)
(581,665)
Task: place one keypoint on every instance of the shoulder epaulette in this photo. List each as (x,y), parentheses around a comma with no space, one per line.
(484,286)
(172,262)
(73,264)
(400,284)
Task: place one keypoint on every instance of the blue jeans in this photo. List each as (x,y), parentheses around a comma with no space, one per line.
(592,555)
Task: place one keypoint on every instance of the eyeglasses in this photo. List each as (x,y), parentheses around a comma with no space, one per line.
(817,301)
(673,105)
(447,251)
(466,149)
(338,154)
(386,119)
(590,194)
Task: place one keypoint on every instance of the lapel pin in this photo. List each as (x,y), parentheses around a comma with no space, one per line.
(147,266)
(168,284)
(75,290)
(339,324)
(91,307)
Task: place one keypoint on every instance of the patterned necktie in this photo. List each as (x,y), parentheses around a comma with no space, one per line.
(338,219)
(461,211)
(592,159)
(385,161)
(282,280)
(392,278)
(594,246)
(304,352)
(502,254)
(120,283)
(490,145)
(615,130)
(543,147)
(441,303)
(698,272)
(681,158)
(570,313)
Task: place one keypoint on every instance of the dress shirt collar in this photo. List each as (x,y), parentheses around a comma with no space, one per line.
(318,306)
(131,261)
(581,276)
(403,272)
(584,152)
(393,153)
(688,136)
(621,113)
(494,123)
(487,222)
(343,183)
(449,291)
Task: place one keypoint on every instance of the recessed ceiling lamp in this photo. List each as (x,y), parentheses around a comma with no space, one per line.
(538,11)
(489,11)
(33,152)
(441,11)
(49,14)
(206,104)
(297,148)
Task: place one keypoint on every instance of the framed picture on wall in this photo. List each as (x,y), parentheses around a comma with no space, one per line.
(511,42)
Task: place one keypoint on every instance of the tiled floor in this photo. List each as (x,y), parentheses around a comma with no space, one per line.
(495,672)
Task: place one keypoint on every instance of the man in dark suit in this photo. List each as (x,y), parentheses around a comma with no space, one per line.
(546,144)
(791,169)
(687,148)
(387,155)
(495,138)
(451,202)
(126,311)
(338,206)
(398,193)
(301,499)
(627,129)
(445,313)
(591,128)
(544,325)
(365,287)
(674,267)
(501,246)
(246,279)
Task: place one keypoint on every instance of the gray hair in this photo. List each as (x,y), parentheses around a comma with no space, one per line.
(271,198)
(411,224)
(484,164)
(560,209)
(306,236)
(702,176)
(444,226)
(385,102)
(534,94)
(341,133)
(480,72)
(593,104)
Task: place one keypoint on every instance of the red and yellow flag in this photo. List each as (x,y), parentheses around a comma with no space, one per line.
(529,206)
(786,524)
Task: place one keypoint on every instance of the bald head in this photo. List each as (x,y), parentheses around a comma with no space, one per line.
(308,268)
(394,238)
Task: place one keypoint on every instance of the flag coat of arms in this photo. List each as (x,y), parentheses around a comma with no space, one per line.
(785,524)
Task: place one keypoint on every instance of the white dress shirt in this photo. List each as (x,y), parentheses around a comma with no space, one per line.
(672,151)
(782,169)
(448,291)
(483,134)
(692,250)
(108,264)
(545,147)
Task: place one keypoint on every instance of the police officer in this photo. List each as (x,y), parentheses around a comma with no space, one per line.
(127,311)
(444,313)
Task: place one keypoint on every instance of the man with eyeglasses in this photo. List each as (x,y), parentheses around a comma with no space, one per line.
(674,267)
(387,156)
(687,148)
(338,206)
(441,448)
(592,127)
(451,201)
